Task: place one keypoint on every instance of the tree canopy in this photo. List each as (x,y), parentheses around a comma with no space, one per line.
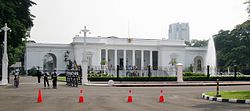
(17,15)
(196,43)
(233,46)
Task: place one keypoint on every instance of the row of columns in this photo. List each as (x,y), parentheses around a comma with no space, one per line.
(133,58)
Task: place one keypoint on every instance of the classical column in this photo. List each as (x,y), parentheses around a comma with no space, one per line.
(133,58)
(124,60)
(106,56)
(142,61)
(5,56)
(115,61)
(151,58)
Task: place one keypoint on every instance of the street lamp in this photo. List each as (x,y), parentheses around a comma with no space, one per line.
(84,59)
(5,56)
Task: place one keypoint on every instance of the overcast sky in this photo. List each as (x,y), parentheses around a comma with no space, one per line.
(58,21)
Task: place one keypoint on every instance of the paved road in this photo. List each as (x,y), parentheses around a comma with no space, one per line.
(112,98)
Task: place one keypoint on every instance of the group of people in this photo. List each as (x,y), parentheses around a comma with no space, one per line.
(46,78)
(73,78)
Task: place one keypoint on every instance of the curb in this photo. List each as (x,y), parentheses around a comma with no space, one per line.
(167,85)
(218,99)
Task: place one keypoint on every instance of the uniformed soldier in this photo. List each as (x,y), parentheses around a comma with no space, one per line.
(67,81)
(45,78)
(80,75)
(54,79)
(76,79)
(72,79)
(39,74)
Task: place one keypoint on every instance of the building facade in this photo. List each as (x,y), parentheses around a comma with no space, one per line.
(178,31)
(125,53)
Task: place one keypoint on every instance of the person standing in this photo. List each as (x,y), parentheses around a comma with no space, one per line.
(39,74)
(54,79)
(46,81)
(16,78)
(76,79)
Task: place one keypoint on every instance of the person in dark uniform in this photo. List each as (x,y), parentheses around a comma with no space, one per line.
(39,74)
(149,71)
(71,79)
(67,77)
(45,78)
(76,79)
(54,79)
(80,75)
(16,79)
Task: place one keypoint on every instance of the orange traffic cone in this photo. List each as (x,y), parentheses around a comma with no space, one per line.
(161,99)
(39,99)
(130,99)
(81,98)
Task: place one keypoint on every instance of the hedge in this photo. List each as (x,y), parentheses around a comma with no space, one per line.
(170,78)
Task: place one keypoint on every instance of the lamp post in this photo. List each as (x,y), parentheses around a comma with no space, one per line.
(84,59)
(5,56)
(208,72)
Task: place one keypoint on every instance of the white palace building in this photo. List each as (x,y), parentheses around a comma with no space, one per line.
(125,52)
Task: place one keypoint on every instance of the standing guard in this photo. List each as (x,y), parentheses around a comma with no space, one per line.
(76,79)
(46,75)
(80,75)
(67,77)
(39,74)
(72,79)
(54,79)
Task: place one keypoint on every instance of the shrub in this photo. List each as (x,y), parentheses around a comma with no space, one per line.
(98,75)
(32,71)
(192,74)
(170,78)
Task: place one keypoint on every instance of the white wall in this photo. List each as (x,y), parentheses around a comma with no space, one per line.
(35,52)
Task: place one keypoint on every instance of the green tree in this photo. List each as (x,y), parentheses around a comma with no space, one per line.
(17,15)
(233,46)
(196,43)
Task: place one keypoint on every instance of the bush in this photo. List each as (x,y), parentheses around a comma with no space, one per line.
(170,78)
(62,74)
(192,74)
(32,71)
(98,75)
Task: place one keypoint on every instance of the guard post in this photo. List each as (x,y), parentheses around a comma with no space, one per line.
(217,89)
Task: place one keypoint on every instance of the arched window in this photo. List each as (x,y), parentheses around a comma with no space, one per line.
(199,65)
(49,62)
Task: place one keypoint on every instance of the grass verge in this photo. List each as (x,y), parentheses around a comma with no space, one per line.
(62,79)
(242,95)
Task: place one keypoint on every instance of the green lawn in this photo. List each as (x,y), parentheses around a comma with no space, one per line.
(232,94)
(63,79)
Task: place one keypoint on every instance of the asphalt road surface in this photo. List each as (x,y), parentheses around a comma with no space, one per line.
(99,98)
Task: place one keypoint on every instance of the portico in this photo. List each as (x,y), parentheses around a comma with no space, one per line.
(128,59)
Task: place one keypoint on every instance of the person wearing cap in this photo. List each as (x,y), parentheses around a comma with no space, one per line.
(45,78)
(54,79)
(39,74)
